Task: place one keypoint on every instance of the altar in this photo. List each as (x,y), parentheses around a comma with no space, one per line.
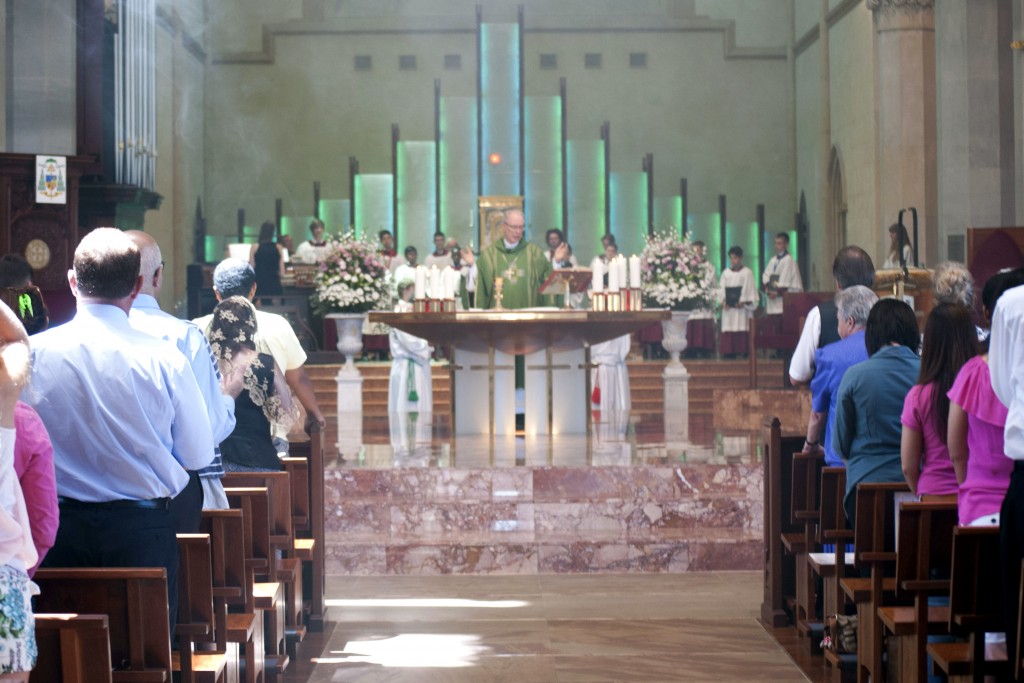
(555,344)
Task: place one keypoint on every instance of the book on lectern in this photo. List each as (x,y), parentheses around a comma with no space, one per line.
(578,280)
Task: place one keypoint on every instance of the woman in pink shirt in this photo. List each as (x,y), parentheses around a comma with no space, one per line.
(976,421)
(33,463)
(950,340)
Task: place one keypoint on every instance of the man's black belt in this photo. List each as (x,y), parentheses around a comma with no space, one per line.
(151,504)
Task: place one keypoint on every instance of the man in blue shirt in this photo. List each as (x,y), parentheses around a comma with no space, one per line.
(831,362)
(204,489)
(125,416)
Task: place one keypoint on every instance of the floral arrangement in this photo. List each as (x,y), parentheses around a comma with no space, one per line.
(676,275)
(352,278)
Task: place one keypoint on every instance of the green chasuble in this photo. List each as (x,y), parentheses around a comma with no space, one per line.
(524,269)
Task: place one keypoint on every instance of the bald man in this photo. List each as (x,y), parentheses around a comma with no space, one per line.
(205,489)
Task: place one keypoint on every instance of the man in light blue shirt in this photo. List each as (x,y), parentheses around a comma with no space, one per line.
(125,416)
(205,490)
(853,305)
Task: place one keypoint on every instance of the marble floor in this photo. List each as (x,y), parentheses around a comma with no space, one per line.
(549,628)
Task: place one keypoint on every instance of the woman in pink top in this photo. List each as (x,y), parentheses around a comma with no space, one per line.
(33,463)
(950,340)
(976,421)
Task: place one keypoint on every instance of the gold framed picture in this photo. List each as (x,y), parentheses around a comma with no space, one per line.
(492,213)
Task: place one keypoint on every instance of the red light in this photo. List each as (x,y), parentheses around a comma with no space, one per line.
(494,158)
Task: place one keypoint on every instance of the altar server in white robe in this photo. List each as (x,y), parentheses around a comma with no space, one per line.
(738,296)
(410,389)
(780,275)
(610,379)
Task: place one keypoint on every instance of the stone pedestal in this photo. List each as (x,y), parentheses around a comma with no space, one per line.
(677,405)
(350,412)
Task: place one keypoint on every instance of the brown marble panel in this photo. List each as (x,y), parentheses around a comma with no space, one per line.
(462,559)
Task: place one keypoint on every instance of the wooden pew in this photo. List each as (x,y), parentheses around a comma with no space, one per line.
(73,648)
(288,567)
(232,589)
(805,501)
(924,556)
(874,551)
(832,567)
(196,616)
(975,606)
(313,451)
(268,593)
(779,566)
(135,602)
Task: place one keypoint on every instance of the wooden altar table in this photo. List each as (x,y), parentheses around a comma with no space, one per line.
(556,345)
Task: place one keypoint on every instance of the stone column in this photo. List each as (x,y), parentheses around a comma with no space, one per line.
(905,78)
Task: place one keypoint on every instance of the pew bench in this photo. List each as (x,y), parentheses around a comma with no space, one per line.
(975,604)
(73,648)
(135,602)
(232,589)
(197,621)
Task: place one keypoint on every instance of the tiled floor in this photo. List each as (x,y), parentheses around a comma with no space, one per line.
(550,629)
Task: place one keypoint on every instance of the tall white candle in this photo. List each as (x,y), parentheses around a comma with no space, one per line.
(634,271)
(435,283)
(421,282)
(597,277)
(613,276)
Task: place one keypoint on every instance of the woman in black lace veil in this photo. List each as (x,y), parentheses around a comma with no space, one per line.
(262,398)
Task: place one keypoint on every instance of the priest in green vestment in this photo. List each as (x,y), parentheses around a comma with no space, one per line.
(522,266)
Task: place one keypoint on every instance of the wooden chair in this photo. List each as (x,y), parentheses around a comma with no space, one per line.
(196,616)
(73,648)
(232,590)
(135,602)
(924,556)
(779,566)
(268,594)
(874,551)
(975,606)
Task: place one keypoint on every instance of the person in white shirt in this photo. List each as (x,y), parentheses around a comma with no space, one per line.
(738,296)
(17,552)
(313,250)
(441,257)
(406,270)
(410,389)
(780,275)
(892,261)
(852,266)
(555,239)
(1006,369)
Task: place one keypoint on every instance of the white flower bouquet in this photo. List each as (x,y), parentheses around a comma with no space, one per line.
(352,278)
(676,275)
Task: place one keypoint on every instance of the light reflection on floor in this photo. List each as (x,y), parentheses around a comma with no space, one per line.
(412,440)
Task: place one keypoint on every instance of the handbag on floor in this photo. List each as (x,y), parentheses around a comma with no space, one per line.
(841,634)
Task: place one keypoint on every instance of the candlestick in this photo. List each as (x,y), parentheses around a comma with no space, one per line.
(498,284)
(613,277)
(634,271)
(597,277)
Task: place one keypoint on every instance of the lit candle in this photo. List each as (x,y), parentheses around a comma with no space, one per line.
(447,280)
(597,278)
(634,272)
(613,276)
(421,282)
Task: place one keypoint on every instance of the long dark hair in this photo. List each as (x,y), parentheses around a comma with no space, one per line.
(950,340)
